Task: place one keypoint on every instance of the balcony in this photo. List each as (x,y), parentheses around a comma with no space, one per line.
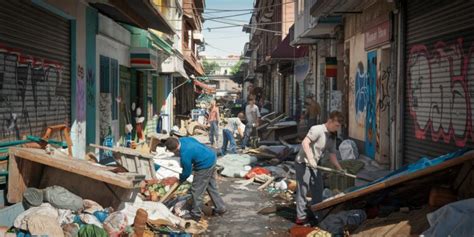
(198,36)
(191,59)
(192,14)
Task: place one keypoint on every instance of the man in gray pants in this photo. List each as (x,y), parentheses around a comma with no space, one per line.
(200,159)
(320,139)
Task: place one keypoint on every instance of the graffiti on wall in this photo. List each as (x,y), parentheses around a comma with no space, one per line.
(440,89)
(80,95)
(361,94)
(383,101)
(90,88)
(32,93)
(370,117)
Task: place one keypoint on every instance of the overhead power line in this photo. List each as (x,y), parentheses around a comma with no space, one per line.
(255,24)
(233,26)
(227,16)
(223,50)
(230,10)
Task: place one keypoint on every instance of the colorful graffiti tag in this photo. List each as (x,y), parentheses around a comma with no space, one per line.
(440,89)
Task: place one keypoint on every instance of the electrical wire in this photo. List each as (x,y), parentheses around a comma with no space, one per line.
(268,23)
(227,16)
(233,26)
(229,10)
(223,50)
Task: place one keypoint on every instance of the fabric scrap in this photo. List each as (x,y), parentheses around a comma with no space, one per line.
(454,219)
(45,209)
(42,225)
(62,198)
(335,223)
(91,231)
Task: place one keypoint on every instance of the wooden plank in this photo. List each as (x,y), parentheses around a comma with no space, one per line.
(80,167)
(22,174)
(389,183)
(465,170)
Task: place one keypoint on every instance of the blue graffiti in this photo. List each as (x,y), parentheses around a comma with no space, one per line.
(370,119)
(361,94)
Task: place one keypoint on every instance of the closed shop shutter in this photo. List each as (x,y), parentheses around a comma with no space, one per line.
(35,81)
(440,78)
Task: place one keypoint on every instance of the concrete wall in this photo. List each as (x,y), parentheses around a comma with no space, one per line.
(360,98)
(113,41)
(357,86)
(77,9)
(288,15)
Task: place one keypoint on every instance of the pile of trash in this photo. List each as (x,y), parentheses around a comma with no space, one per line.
(55,211)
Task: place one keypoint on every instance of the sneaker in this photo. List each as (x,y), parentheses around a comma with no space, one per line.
(219,212)
(301,221)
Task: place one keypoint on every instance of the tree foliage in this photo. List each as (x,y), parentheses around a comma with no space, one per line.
(236,68)
(210,67)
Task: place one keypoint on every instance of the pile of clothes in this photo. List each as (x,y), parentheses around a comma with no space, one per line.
(55,211)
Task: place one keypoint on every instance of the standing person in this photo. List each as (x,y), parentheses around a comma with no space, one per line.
(319,140)
(313,110)
(252,115)
(214,124)
(195,156)
(233,125)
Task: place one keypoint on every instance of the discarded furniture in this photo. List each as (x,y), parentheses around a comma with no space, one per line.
(29,167)
(447,171)
(135,161)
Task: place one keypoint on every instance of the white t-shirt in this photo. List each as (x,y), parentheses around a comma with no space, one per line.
(233,124)
(321,141)
(252,113)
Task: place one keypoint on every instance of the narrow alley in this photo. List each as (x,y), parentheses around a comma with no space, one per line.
(297,118)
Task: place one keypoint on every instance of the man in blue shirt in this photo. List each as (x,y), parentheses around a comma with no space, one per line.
(197,157)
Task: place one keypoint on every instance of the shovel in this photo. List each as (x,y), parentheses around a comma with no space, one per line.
(322,168)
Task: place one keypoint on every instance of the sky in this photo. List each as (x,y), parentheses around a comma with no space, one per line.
(226,41)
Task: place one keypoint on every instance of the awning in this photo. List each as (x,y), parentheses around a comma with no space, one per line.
(330,7)
(163,45)
(285,51)
(174,65)
(207,89)
(140,13)
(301,69)
(143,58)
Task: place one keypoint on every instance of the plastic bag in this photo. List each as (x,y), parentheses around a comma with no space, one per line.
(348,150)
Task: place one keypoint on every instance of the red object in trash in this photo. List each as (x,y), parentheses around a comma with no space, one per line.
(256,171)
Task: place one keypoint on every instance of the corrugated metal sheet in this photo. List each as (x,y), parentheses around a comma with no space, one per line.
(35,81)
(440,76)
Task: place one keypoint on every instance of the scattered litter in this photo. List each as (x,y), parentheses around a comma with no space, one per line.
(233,164)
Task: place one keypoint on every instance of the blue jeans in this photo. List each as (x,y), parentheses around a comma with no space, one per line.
(214,132)
(228,137)
(247,133)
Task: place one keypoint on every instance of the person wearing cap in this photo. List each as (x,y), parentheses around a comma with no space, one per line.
(200,159)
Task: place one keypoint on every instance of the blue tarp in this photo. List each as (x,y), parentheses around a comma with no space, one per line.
(421,164)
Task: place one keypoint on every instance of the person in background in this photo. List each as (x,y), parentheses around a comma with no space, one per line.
(197,157)
(252,115)
(320,139)
(313,111)
(233,126)
(214,124)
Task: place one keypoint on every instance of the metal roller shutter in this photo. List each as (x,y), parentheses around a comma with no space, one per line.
(35,82)
(440,77)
